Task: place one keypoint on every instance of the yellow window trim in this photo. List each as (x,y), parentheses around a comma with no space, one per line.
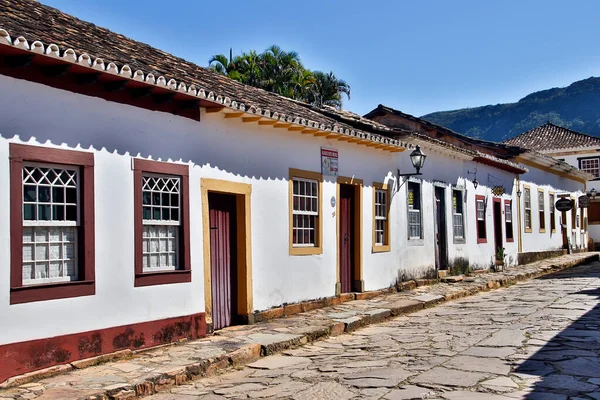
(542,230)
(527,230)
(302,251)
(385,247)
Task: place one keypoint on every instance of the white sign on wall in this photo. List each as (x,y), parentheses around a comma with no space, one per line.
(329,161)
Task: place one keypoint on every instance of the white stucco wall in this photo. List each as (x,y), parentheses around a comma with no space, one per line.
(229,150)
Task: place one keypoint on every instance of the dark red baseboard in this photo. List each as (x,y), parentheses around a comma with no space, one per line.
(23,357)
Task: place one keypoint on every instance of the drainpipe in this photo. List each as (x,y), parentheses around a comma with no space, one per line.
(519,214)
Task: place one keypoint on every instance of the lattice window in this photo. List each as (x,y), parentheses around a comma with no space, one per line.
(161,217)
(457,218)
(305,199)
(50,223)
(552,213)
(508,212)
(508,220)
(481,223)
(381,213)
(542,210)
(591,165)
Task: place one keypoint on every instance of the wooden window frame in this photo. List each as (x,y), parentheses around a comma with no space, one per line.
(479,197)
(580,159)
(512,224)
(459,239)
(377,248)
(318,248)
(574,221)
(86,283)
(420,186)
(184,274)
(542,212)
(552,211)
(526,229)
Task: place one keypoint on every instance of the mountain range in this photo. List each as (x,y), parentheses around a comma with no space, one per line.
(576,107)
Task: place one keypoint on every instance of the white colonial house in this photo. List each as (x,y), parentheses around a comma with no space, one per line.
(577,149)
(147,199)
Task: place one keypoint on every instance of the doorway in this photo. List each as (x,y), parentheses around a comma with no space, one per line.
(498,240)
(349,217)
(227,253)
(223,259)
(441,250)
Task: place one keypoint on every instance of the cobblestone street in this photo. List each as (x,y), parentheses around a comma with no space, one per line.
(538,339)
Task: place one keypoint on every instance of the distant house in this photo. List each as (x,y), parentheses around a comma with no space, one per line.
(575,148)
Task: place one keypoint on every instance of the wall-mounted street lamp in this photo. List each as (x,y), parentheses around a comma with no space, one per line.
(475,181)
(519,193)
(417,157)
(593,193)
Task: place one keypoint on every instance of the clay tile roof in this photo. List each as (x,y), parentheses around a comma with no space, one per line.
(551,137)
(30,24)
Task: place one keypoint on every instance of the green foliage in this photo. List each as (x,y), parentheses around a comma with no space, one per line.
(575,107)
(282,72)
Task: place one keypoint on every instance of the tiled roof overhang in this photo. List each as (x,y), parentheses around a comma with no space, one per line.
(189,83)
(505,165)
(552,165)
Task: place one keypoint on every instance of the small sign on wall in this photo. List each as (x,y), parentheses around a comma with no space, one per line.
(329,161)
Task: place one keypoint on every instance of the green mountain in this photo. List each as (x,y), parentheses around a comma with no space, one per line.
(576,107)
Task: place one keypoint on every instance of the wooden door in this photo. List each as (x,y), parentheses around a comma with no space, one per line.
(346,239)
(223,260)
(440,229)
(498,240)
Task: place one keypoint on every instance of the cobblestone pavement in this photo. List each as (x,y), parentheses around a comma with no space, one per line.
(538,339)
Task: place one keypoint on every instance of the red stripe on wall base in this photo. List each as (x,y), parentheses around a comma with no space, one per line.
(20,358)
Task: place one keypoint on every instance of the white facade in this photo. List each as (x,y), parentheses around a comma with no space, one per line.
(239,152)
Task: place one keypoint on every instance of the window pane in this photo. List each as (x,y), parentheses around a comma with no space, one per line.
(49,254)
(162,192)
(29,193)
(160,248)
(29,212)
(43,213)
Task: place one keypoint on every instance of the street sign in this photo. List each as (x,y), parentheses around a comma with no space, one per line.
(584,201)
(564,204)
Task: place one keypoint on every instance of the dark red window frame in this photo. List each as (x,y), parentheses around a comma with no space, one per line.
(183,274)
(479,238)
(86,285)
(512,226)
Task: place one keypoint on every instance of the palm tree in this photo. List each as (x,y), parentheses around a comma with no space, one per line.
(328,90)
(282,72)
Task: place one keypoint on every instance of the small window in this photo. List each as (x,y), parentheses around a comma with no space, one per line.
(527,208)
(508,218)
(542,210)
(574,219)
(305,213)
(52,223)
(414,210)
(381,208)
(590,165)
(552,212)
(481,223)
(458,226)
(162,254)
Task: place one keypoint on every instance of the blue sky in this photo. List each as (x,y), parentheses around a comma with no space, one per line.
(416,56)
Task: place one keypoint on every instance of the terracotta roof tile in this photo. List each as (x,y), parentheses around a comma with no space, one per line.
(551,137)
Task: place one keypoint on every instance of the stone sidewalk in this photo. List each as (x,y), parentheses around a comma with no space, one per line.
(142,373)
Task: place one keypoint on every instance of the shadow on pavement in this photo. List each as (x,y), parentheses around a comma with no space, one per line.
(568,364)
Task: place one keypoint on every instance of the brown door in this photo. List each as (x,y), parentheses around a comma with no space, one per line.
(346,238)
(440,229)
(223,259)
(499,243)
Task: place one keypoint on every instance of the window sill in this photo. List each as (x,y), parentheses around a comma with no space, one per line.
(305,251)
(381,249)
(527,230)
(510,240)
(163,278)
(53,291)
(480,241)
(542,230)
(416,242)
(459,241)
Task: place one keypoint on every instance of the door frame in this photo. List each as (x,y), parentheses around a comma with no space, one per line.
(444,221)
(242,193)
(357,281)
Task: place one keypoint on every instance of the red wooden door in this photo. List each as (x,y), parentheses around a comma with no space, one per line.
(346,237)
(222,258)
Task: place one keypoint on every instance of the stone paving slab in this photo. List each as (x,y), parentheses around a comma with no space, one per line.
(162,369)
